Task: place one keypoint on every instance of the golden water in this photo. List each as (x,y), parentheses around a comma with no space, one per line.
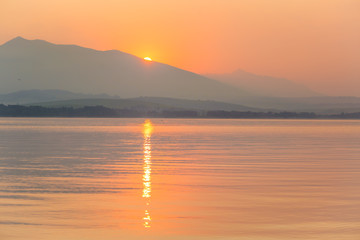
(110,179)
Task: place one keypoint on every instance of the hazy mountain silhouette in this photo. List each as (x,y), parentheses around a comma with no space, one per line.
(37,64)
(264,85)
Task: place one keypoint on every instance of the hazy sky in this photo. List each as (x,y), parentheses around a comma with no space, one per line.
(316,42)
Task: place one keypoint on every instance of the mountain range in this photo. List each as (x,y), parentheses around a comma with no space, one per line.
(36,71)
(61,98)
(37,64)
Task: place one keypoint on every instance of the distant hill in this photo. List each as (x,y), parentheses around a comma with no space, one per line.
(37,64)
(34,96)
(264,85)
(323,105)
(148,104)
(58,98)
(197,104)
(109,103)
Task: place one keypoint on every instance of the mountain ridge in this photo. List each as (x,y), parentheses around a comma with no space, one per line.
(41,65)
(60,98)
(37,64)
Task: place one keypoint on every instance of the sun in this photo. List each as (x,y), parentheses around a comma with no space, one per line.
(148,59)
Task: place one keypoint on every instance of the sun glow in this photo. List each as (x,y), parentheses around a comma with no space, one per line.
(148,59)
(147,130)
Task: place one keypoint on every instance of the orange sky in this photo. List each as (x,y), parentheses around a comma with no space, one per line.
(316,42)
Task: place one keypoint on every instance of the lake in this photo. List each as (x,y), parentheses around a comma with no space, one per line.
(87,179)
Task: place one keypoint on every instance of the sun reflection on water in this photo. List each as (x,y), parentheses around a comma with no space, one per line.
(147,130)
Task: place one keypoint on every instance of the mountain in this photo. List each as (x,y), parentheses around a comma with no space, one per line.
(37,64)
(26,65)
(264,85)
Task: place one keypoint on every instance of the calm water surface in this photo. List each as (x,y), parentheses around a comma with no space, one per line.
(87,179)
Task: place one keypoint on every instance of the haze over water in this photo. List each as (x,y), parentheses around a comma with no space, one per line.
(179,179)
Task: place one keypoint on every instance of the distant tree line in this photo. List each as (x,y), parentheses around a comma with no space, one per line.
(101,111)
